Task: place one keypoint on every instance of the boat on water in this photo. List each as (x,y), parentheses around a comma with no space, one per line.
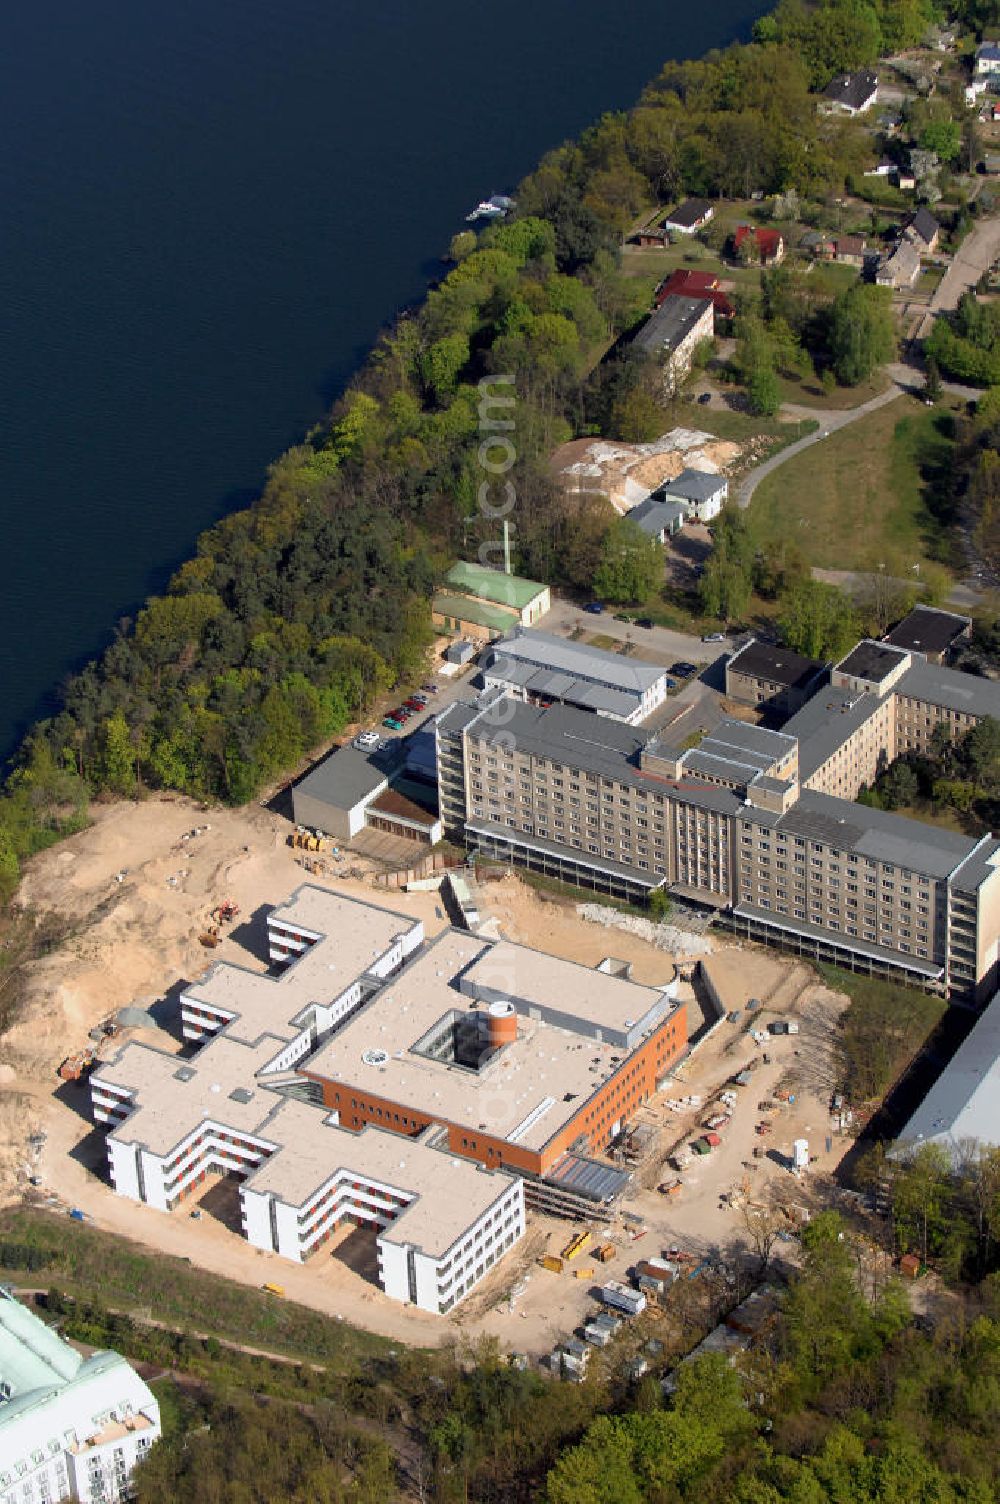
(495,207)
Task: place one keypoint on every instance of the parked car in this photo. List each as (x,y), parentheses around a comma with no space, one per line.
(622,616)
(401,713)
(594,608)
(683,670)
(714,637)
(430,689)
(392,724)
(414,705)
(705,398)
(367,741)
(645,621)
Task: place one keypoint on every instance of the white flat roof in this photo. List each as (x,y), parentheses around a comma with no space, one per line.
(535,1075)
(174,1095)
(357,935)
(450,1194)
(964,1102)
(537,978)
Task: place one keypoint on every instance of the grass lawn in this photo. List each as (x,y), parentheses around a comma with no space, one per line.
(725,423)
(808,392)
(94,1265)
(866,495)
(884,1028)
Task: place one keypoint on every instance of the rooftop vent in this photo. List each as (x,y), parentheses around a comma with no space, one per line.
(240,1094)
(183,1073)
(374,1057)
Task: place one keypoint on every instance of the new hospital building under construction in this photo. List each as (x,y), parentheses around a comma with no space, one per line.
(423,1089)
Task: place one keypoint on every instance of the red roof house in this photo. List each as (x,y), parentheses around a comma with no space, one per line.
(766,246)
(687,284)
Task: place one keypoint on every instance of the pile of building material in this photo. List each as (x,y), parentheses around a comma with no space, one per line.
(663,935)
(627,473)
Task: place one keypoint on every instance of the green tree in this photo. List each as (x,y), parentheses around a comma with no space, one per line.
(817,619)
(861,334)
(631,565)
(763,392)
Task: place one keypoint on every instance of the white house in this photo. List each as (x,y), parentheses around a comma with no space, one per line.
(988,58)
(70,1427)
(701,495)
(689,217)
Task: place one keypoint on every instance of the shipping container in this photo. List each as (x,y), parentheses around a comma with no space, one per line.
(623,1298)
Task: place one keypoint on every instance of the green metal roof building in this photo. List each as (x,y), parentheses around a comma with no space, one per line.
(529,598)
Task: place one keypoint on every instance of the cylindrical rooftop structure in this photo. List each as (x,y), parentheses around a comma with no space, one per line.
(502,1024)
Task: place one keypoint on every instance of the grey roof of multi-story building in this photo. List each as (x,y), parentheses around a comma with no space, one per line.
(873,661)
(876,833)
(952,690)
(824,723)
(595,745)
(693,485)
(927,630)
(761,660)
(963,1105)
(671,323)
(739,751)
(980,865)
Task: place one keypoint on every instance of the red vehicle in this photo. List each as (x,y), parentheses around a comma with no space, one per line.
(414,705)
(401,713)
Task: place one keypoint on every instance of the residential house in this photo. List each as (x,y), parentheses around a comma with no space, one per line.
(688,284)
(851,93)
(987,59)
(764,246)
(689,217)
(883,169)
(672,334)
(659,519)
(850,250)
(906,181)
(702,495)
(923,232)
(900,268)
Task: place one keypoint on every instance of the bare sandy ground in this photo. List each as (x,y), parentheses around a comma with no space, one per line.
(134,941)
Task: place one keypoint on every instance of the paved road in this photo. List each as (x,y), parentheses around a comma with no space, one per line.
(669,645)
(976,254)
(829,423)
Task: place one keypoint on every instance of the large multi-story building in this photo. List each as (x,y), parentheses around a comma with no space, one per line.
(501,1069)
(757,824)
(70,1427)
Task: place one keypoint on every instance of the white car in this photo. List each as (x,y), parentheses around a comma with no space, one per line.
(714,637)
(367,741)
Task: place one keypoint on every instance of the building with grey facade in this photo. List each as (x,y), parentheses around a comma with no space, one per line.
(743,823)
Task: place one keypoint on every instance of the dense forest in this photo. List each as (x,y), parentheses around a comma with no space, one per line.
(844,1397)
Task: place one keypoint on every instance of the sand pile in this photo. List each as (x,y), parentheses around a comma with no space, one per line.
(627,473)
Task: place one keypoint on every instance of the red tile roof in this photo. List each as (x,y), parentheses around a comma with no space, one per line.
(768,241)
(687,284)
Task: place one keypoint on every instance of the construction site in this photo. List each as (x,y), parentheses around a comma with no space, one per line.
(694,1184)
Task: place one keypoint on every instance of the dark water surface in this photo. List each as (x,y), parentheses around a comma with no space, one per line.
(207,210)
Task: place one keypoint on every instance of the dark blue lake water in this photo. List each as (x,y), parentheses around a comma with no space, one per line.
(207,210)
